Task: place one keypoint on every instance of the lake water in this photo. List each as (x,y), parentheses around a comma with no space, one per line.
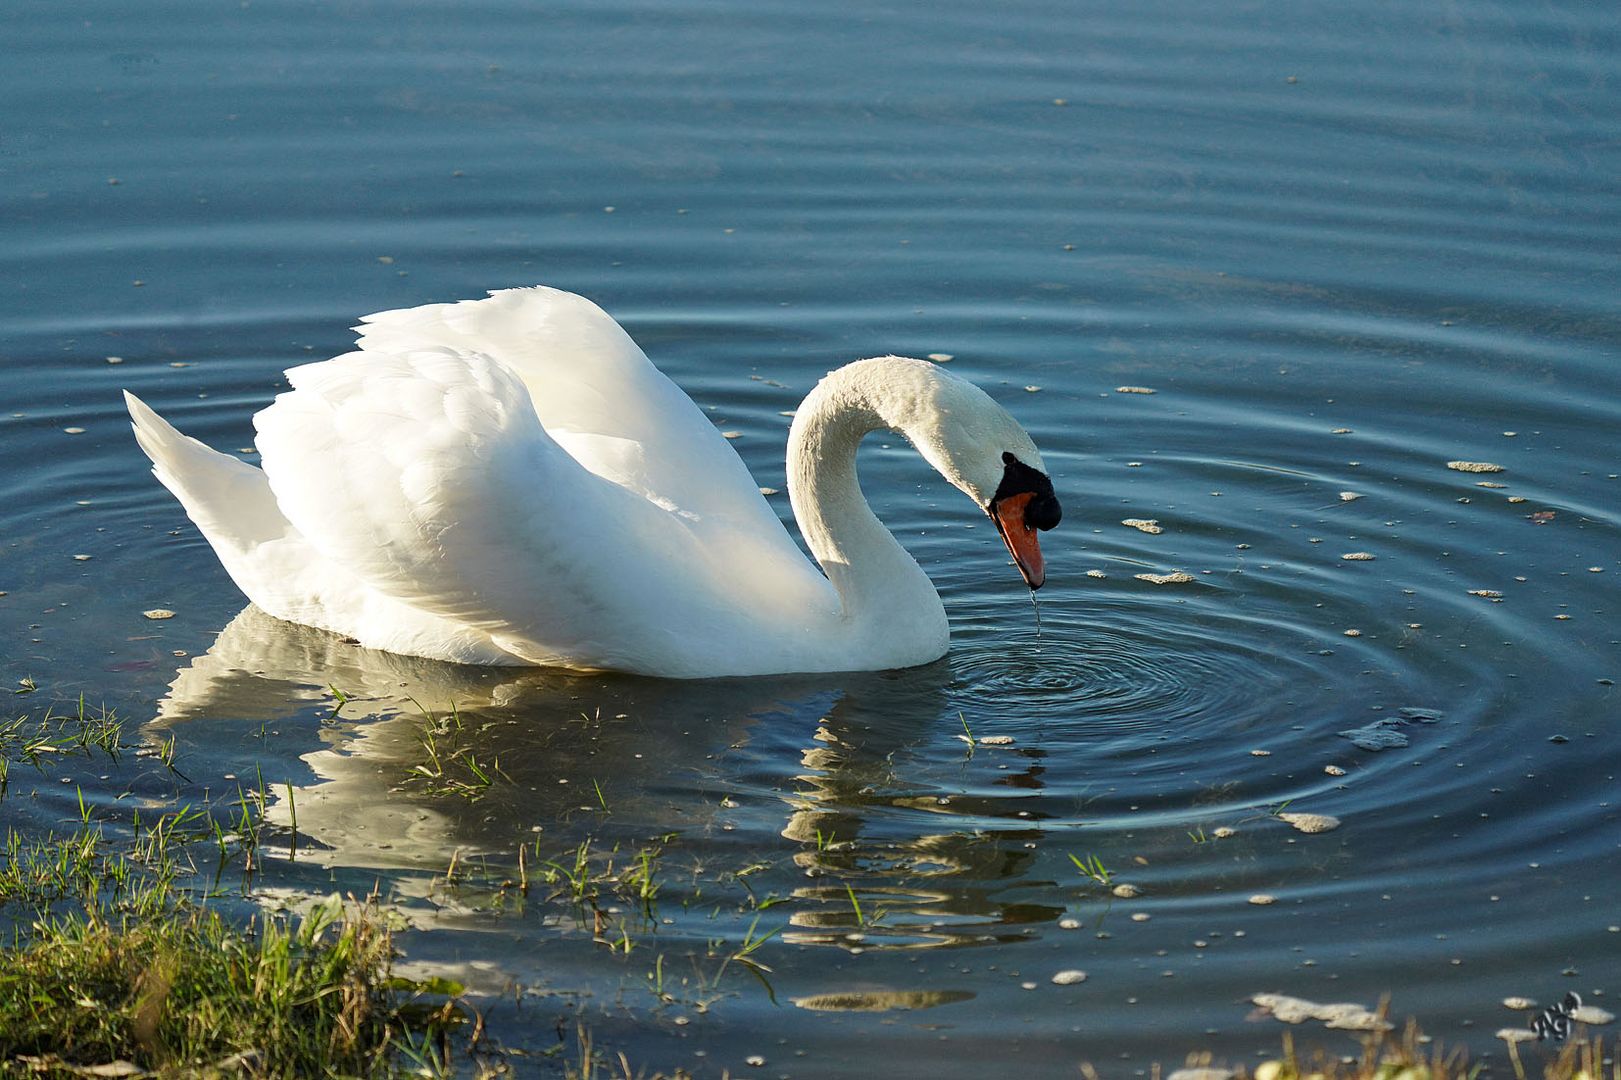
(1344,246)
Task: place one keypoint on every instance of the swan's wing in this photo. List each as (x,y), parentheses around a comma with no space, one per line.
(596,394)
(428,474)
(232,505)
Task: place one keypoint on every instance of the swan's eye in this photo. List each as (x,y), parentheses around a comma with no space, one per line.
(1042,511)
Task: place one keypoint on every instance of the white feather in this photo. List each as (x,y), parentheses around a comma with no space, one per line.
(511,481)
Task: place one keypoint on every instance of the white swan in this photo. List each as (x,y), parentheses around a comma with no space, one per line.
(511,481)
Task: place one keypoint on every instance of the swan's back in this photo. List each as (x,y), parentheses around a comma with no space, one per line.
(504,479)
(595,392)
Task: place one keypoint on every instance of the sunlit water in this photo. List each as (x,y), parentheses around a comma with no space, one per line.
(1343,248)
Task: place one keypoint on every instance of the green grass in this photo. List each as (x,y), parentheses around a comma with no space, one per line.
(131,945)
(112,962)
(118,952)
(1092,867)
(116,957)
(186,990)
(27,741)
(449,765)
(967,735)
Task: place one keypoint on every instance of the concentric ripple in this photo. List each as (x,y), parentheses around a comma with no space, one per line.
(1124,665)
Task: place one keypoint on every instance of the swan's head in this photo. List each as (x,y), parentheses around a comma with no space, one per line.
(987,454)
(1024,502)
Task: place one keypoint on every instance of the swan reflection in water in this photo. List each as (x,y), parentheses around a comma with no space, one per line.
(728,769)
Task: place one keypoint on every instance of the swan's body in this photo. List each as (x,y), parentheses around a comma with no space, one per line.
(511,481)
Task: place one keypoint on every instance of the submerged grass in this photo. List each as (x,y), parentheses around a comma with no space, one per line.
(449,765)
(1092,867)
(31,741)
(1408,1055)
(121,962)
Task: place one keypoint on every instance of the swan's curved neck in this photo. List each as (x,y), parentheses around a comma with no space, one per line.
(878,582)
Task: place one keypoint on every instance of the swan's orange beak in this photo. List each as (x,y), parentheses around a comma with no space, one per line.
(1020,536)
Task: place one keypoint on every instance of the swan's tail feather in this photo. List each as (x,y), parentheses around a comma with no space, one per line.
(229,500)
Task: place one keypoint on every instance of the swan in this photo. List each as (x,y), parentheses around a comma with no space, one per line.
(511,481)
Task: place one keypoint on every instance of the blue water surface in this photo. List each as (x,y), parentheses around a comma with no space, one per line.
(1343,245)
